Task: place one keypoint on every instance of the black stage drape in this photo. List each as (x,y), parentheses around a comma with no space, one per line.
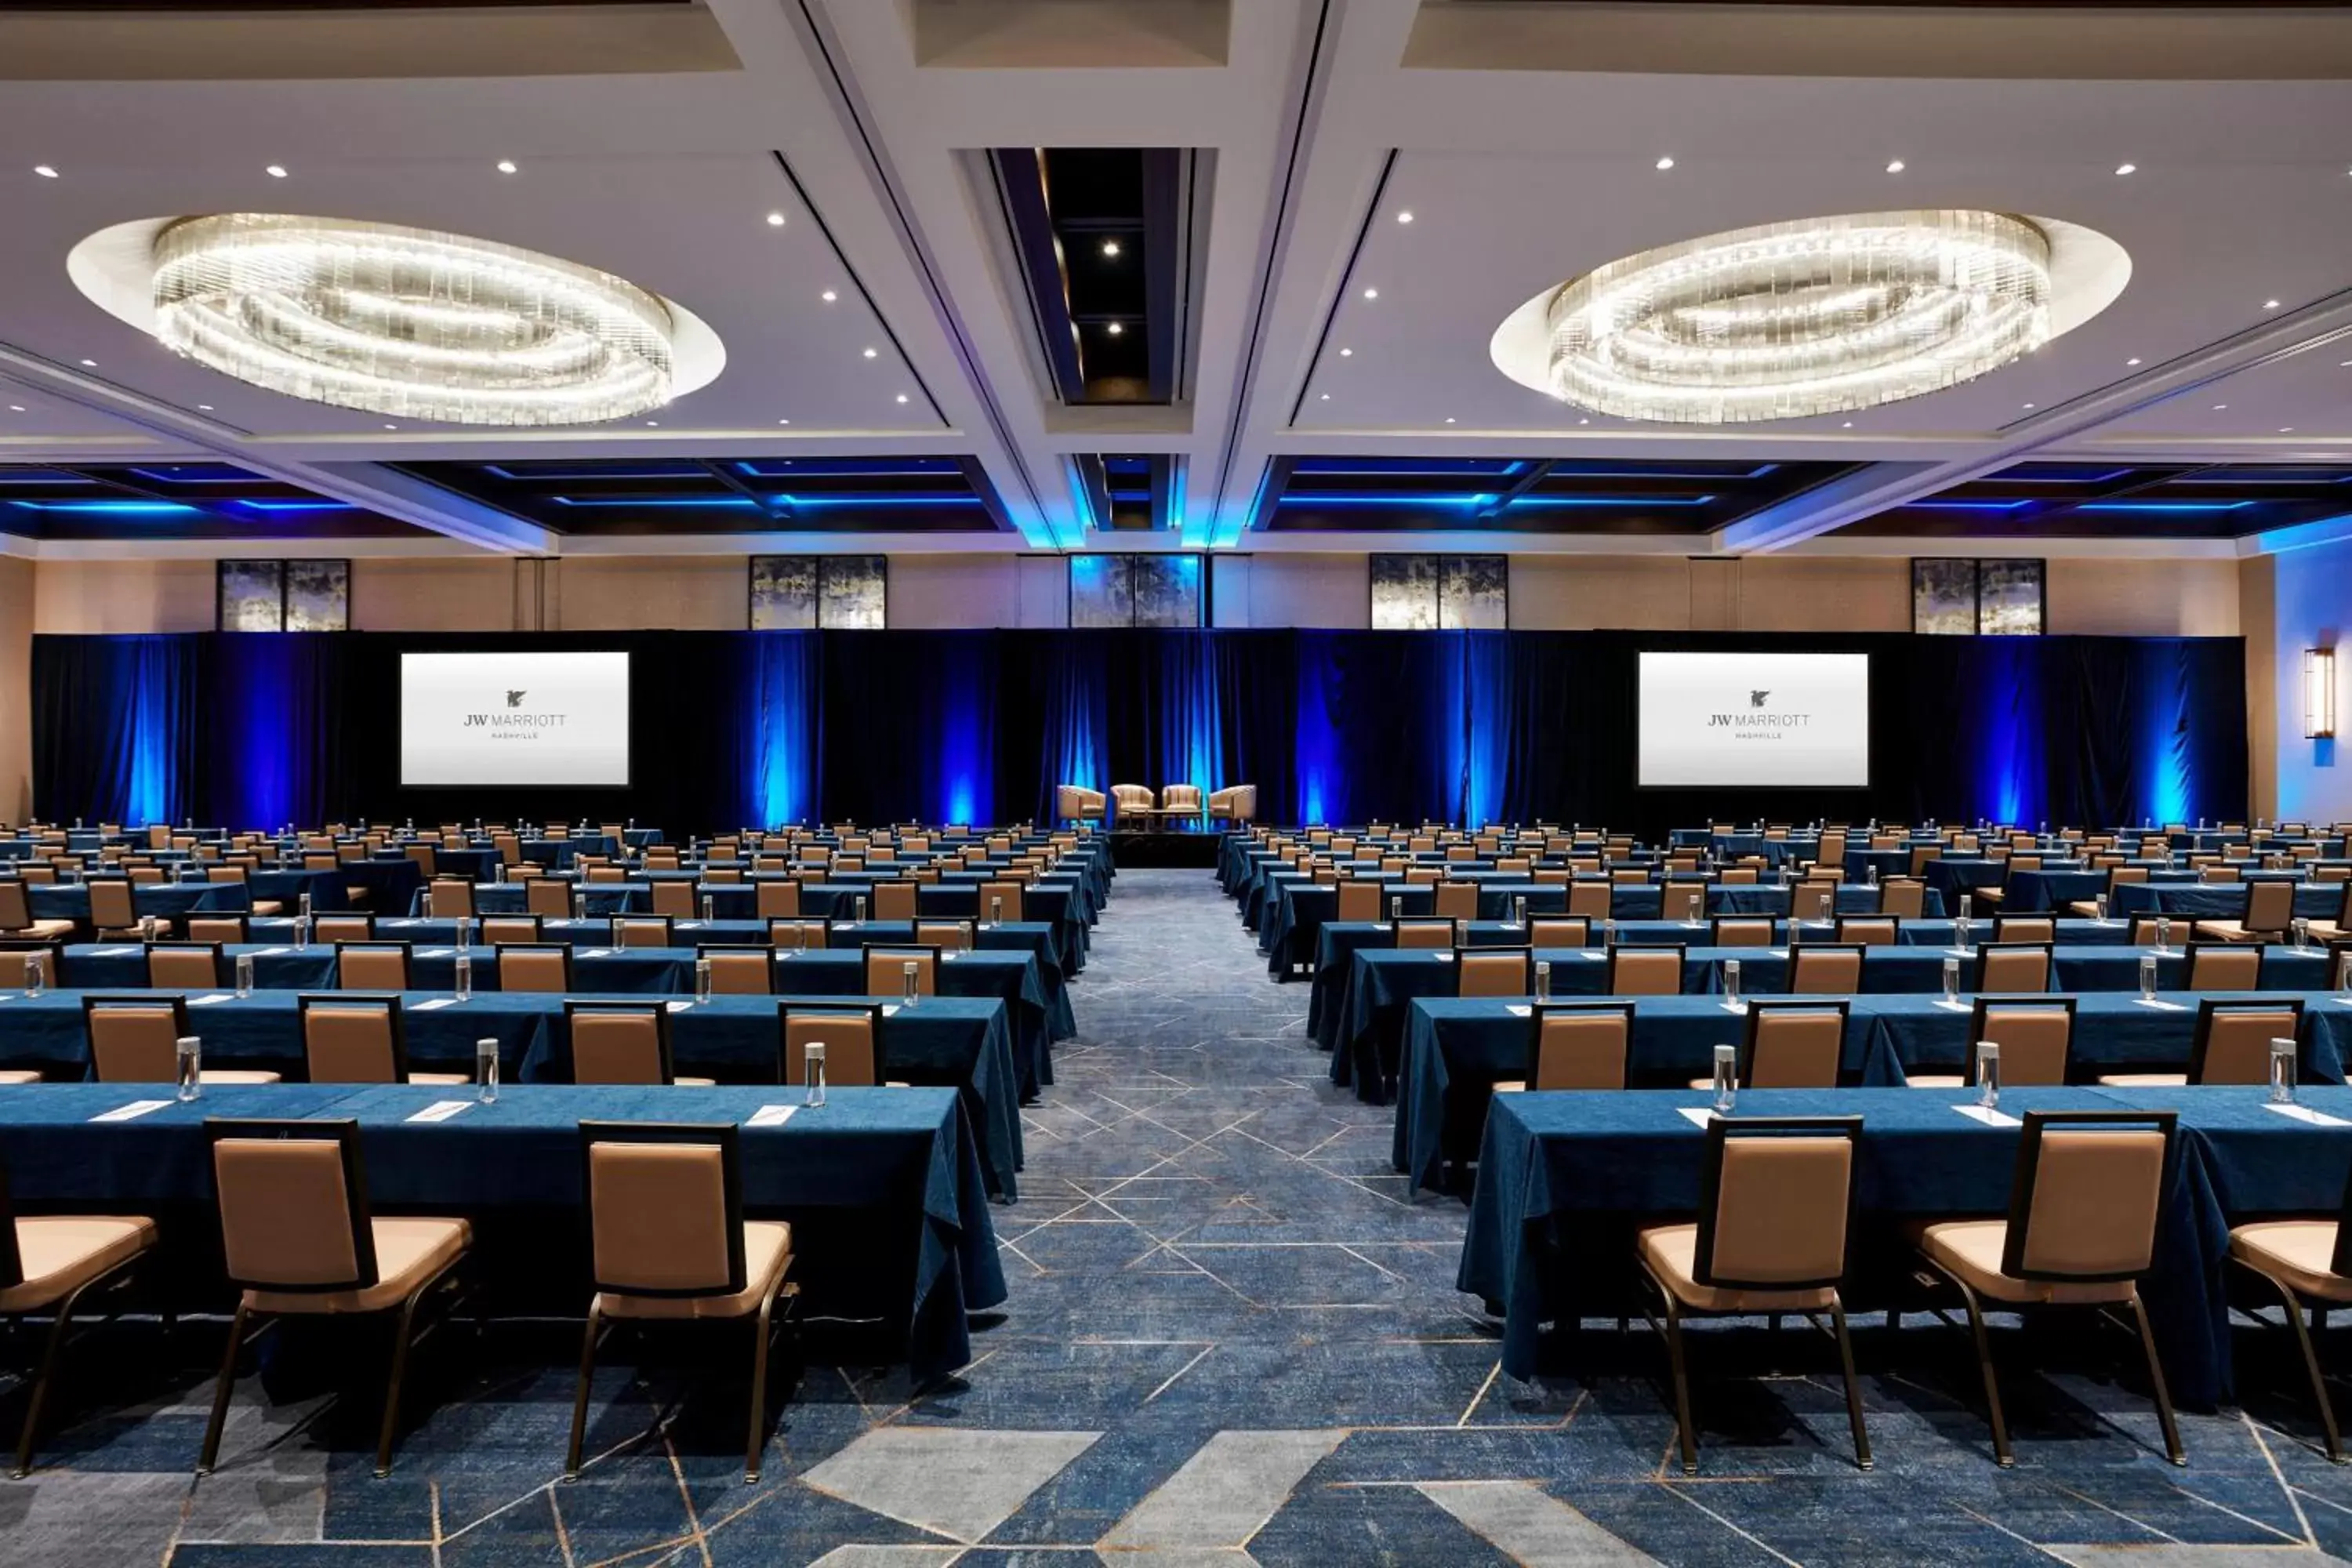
(751,729)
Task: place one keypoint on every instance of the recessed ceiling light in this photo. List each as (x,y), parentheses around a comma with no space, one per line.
(91,363)
(775,220)
(1449,419)
(1324,398)
(1115,329)
(1665,164)
(2219,406)
(2126,168)
(2131,361)
(392,427)
(1347,353)
(44,170)
(2270,304)
(902,397)
(1584,422)
(506,166)
(1405,217)
(1372,293)
(276,171)
(1110,248)
(869,354)
(204,407)
(1895,167)
(653,423)
(1847,425)
(2029,406)
(15,408)
(784,421)
(2286,429)
(829,296)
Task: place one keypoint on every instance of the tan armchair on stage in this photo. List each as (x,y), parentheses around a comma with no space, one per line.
(1236,803)
(1181,800)
(1132,801)
(1075,803)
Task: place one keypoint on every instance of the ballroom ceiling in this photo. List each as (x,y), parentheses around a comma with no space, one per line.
(1061,274)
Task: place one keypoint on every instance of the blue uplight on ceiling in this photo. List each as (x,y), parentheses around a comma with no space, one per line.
(294,505)
(846,468)
(195,474)
(2165,505)
(119,508)
(43,477)
(1637,472)
(2060,474)
(1635,503)
(731,502)
(556,476)
(1967,505)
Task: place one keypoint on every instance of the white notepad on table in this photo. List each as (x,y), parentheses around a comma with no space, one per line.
(441,1111)
(2304,1113)
(1519,1009)
(208,1000)
(137,1108)
(1988,1115)
(679,1006)
(2159,1003)
(771,1116)
(436,1002)
(1699,1115)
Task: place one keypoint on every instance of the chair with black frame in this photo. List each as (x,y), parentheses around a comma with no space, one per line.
(2339,928)
(2231,1044)
(673,899)
(184,965)
(2025,928)
(135,1038)
(546,899)
(1647,970)
(850,1034)
(642,931)
(776,897)
(216,929)
(669,1243)
(299,1240)
(360,1039)
(340,929)
(1559,931)
(1492,972)
(2145,928)
(738,969)
(622,1042)
(2012,966)
(2081,1231)
(1745,930)
(1776,1199)
(540,967)
(113,908)
(1813,900)
(799,934)
(1870,930)
(452,898)
(372,965)
(2036,1037)
(1903,898)
(894,900)
(2270,910)
(2225,966)
(1576,1045)
(888,963)
(1455,900)
(947,935)
(17,922)
(1824,969)
(1421,932)
(508,931)
(1790,1044)
(47,1264)
(2309,1263)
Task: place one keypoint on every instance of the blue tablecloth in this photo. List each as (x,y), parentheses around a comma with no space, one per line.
(1455,1050)
(70,900)
(2220,901)
(1556,1170)
(883,1186)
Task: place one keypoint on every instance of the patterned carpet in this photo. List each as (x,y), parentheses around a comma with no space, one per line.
(1231,1337)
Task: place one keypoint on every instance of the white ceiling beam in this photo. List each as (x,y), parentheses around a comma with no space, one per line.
(1885,486)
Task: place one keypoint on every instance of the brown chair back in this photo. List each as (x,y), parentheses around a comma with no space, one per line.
(1359,901)
(1590,900)
(2225,966)
(990,907)
(16,906)
(2025,928)
(894,900)
(2013,966)
(1457,900)
(740,970)
(1904,897)
(1559,931)
(2269,907)
(641,931)
(1813,901)
(349,1040)
(2036,1037)
(184,966)
(371,965)
(453,899)
(1792,1044)
(1683,902)
(342,927)
(674,899)
(777,898)
(851,1038)
(2232,1042)
(1775,1198)
(1869,931)
(113,904)
(799,934)
(1490,971)
(947,935)
(665,1208)
(216,929)
(619,1042)
(546,899)
(508,930)
(2083,1203)
(537,967)
(1820,969)
(885,966)
(1582,1044)
(1745,931)
(135,1039)
(1419,931)
(293,1205)
(1646,970)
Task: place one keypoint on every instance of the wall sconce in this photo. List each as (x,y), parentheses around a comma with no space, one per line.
(2319,693)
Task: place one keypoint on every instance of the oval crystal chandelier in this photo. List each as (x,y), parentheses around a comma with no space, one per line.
(408,321)
(1787,320)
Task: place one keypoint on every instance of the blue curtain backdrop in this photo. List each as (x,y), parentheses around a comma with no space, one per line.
(750,728)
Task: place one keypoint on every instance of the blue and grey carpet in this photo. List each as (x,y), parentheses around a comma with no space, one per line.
(1232,1336)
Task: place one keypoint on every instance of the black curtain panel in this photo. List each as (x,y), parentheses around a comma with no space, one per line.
(731,730)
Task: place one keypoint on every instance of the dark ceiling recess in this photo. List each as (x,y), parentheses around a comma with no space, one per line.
(848,496)
(1528,495)
(1103,239)
(1129,493)
(2124,500)
(174,501)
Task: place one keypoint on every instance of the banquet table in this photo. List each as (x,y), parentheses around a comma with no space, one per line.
(1563,1178)
(964,1043)
(883,1186)
(1455,1050)
(167,900)
(2220,901)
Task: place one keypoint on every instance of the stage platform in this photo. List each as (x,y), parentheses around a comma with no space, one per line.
(1195,849)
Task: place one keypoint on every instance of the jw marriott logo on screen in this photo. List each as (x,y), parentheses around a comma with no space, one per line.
(516,724)
(1759,723)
